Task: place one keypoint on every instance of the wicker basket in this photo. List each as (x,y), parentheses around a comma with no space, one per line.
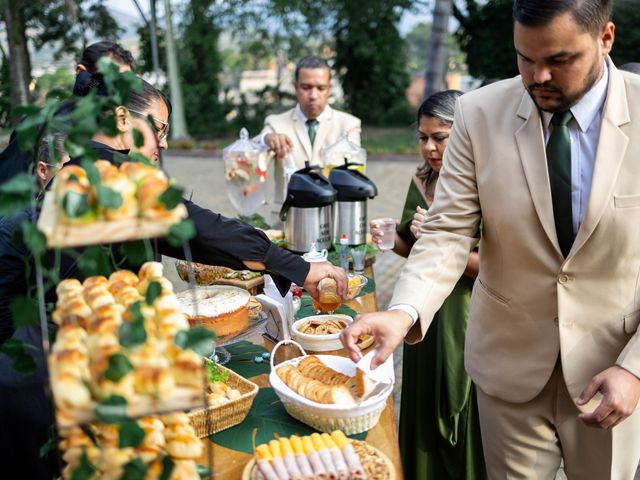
(351,419)
(229,414)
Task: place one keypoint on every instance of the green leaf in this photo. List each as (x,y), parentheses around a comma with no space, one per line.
(181,232)
(112,409)
(33,238)
(16,194)
(85,470)
(167,468)
(154,290)
(51,443)
(136,252)
(130,434)
(138,138)
(138,157)
(135,470)
(198,339)
(92,172)
(27,110)
(256,220)
(203,471)
(108,197)
(119,366)
(242,355)
(88,431)
(75,204)
(22,362)
(27,139)
(133,333)
(24,311)
(215,373)
(171,197)
(94,260)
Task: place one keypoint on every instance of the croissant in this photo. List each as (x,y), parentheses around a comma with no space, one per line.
(68,288)
(187,369)
(91,282)
(150,270)
(98,296)
(139,172)
(105,168)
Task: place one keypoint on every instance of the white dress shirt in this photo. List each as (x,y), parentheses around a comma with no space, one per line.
(585,133)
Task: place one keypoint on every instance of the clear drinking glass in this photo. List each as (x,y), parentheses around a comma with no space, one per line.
(388,228)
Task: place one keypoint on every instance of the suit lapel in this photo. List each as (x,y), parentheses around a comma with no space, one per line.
(610,153)
(530,141)
(303,136)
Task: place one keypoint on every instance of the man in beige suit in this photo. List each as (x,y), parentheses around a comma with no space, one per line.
(550,161)
(309,126)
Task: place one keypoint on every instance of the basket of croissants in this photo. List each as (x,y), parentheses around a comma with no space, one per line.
(326,392)
(229,398)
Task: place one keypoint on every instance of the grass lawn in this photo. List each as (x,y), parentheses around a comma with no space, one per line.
(381,140)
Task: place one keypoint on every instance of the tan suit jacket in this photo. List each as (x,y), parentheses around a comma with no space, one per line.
(333,125)
(529,304)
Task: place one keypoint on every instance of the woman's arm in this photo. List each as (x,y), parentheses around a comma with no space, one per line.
(473,265)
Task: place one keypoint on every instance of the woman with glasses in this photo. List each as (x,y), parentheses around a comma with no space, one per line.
(439,430)
(218,240)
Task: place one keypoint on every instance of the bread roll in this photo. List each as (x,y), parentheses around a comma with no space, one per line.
(119,183)
(124,276)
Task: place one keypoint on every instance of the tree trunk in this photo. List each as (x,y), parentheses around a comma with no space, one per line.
(19,61)
(178,122)
(437,51)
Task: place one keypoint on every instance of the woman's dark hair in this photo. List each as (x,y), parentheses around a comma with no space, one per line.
(96,51)
(91,78)
(590,15)
(141,101)
(440,106)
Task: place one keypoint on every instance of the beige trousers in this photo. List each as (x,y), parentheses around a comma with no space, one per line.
(529,440)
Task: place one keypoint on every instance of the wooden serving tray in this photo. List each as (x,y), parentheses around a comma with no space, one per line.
(60,235)
(249,472)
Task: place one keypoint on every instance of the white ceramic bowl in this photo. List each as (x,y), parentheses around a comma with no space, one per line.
(319,343)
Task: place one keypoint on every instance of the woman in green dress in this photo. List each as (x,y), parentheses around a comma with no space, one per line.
(439,429)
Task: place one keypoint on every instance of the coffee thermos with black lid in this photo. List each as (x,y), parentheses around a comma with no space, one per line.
(350,209)
(307,210)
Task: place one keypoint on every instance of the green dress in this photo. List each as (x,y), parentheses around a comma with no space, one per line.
(439,428)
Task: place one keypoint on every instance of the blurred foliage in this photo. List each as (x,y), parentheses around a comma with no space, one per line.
(71,24)
(144,62)
(626,16)
(417,44)
(58,84)
(485,35)
(200,67)
(370,60)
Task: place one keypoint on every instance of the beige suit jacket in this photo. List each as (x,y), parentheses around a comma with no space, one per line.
(530,305)
(330,129)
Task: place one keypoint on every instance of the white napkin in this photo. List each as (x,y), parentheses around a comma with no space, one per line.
(371,382)
(278,308)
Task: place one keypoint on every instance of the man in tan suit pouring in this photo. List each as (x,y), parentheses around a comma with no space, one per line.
(301,132)
(550,161)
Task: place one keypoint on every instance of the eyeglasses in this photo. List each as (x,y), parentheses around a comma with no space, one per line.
(161,132)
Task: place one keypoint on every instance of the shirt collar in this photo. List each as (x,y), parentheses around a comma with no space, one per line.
(586,110)
(320,118)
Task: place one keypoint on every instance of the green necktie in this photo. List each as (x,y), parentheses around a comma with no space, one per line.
(312,127)
(559,164)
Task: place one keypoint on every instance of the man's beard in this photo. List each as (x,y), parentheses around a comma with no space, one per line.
(565,102)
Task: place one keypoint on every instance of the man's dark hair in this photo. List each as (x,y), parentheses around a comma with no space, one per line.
(590,15)
(312,62)
(96,51)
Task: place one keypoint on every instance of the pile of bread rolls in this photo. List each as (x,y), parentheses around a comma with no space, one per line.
(318,456)
(169,435)
(315,381)
(139,185)
(90,316)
